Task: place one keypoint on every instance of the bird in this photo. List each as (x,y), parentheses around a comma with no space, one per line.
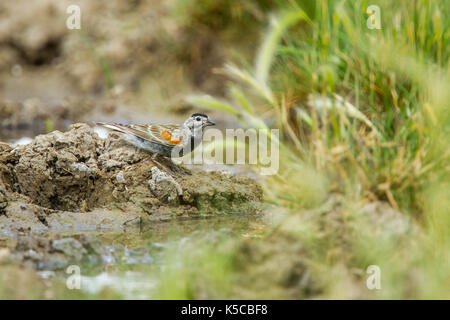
(166,140)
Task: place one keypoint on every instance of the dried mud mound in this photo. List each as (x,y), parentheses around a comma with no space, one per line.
(77,171)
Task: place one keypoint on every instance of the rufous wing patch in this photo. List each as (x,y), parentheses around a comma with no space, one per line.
(172,140)
(166,135)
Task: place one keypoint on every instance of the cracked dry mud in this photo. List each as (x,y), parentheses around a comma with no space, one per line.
(77,180)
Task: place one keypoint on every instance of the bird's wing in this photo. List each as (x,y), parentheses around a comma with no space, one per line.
(168,134)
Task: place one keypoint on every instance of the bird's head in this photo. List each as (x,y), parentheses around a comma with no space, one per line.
(198,121)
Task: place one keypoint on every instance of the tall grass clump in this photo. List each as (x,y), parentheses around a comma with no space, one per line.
(364,113)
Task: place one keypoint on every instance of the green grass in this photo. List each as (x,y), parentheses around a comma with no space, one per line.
(363,113)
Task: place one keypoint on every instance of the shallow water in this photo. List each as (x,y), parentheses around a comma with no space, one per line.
(134,256)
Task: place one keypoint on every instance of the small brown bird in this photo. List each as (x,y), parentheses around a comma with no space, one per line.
(167,140)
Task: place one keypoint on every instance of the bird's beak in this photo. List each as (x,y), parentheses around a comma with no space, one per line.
(210,123)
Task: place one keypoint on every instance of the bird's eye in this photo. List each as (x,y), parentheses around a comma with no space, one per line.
(198,119)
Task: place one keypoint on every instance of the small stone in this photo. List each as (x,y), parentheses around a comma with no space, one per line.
(78,166)
(111,164)
(120,178)
(164,187)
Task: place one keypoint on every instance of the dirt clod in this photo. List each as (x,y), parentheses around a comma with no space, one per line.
(164,187)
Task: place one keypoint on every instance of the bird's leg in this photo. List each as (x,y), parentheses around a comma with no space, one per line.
(163,167)
(179,169)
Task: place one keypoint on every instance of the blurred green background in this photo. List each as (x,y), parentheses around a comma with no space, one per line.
(363,116)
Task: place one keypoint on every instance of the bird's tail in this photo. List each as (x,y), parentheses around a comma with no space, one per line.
(111,126)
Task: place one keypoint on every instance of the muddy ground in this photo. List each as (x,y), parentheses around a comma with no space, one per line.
(75,181)
(60,176)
